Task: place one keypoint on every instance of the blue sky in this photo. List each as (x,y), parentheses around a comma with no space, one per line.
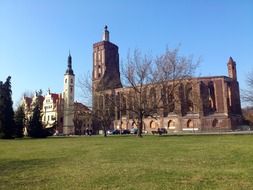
(36,36)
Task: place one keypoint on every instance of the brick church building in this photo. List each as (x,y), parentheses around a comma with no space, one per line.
(219,106)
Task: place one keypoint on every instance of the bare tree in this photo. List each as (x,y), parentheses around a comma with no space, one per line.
(101,103)
(138,76)
(155,85)
(248,116)
(248,93)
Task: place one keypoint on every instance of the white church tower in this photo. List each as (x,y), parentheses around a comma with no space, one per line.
(68,95)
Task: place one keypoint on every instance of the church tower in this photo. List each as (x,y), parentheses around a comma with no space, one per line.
(232,69)
(106,73)
(68,95)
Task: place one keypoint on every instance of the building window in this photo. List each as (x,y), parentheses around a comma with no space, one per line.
(211,97)
(65,80)
(152,125)
(189,98)
(99,70)
(71,89)
(95,74)
(71,81)
(214,123)
(171,124)
(48,118)
(189,123)
(229,97)
(152,95)
(189,106)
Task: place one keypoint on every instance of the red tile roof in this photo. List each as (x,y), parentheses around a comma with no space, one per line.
(81,107)
(55,97)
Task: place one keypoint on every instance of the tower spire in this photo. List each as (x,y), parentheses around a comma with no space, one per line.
(69,69)
(106,34)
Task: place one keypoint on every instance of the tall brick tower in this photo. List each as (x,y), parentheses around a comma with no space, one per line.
(106,73)
(234,104)
(232,69)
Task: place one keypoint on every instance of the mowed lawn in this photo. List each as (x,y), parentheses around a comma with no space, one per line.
(127,162)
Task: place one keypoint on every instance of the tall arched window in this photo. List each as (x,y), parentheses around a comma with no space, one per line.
(170,99)
(152,95)
(189,98)
(211,97)
(229,97)
(99,70)
(123,105)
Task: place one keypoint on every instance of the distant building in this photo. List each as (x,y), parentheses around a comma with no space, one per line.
(52,111)
(59,112)
(217,97)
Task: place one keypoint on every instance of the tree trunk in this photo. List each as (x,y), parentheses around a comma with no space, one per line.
(105,132)
(140,124)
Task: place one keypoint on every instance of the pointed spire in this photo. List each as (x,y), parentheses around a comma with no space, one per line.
(69,60)
(106,34)
(69,69)
(231,60)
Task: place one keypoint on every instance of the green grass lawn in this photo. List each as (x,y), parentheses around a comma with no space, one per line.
(119,162)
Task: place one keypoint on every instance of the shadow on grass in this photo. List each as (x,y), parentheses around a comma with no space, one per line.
(11,166)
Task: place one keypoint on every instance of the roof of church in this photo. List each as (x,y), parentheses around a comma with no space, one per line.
(81,107)
(210,78)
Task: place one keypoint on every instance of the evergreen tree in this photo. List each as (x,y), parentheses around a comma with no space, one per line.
(19,122)
(7,125)
(35,126)
(1,109)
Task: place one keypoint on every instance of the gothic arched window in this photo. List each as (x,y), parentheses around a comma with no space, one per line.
(189,123)
(189,98)
(211,97)
(152,96)
(171,124)
(152,125)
